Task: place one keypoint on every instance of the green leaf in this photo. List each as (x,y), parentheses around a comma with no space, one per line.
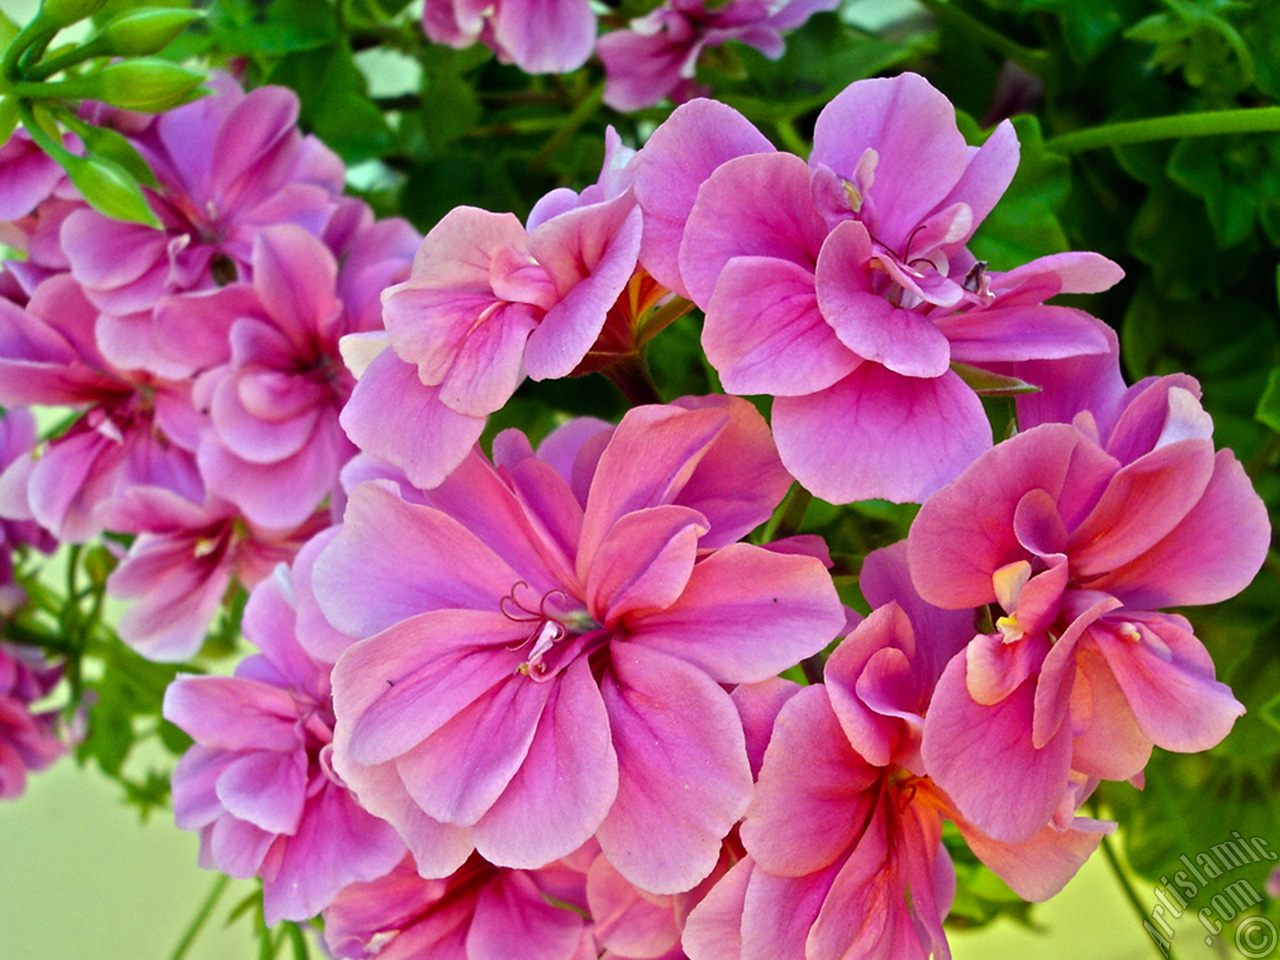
(1172,235)
(1090,26)
(821,60)
(1234,176)
(450,106)
(990,384)
(1259,25)
(275,29)
(1193,38)
(1024,224)
(1269,404)
(335,101)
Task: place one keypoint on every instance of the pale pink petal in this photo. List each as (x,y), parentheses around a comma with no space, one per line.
(413,558)
(680,155)
(984,759)
(566,784)
(904,341)
(684,779)
(545,36)
(457,772)
(393,416)
(913,128)
(1039,867)
(643,563)
(394,690)
(814,793)
(764,332)
(1213,553)
(876,434)
(754,206)
(746,614)
(266,788)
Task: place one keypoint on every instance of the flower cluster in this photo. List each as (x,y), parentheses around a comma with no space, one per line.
(528,702)
(201,358)
(653,57)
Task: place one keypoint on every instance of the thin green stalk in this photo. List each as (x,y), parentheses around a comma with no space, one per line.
(631,376)
(1109,853)
(790,137)
(1211,123)
(1029,59)
(584,111)
(198,921)
(786,522)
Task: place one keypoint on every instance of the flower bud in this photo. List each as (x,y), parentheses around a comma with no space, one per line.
(63,13)
(148,85)
(139,33)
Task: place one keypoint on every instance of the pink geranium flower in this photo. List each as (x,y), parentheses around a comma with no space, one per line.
(548,639)
(844,833)
(575,908)
(657,55)
(489,302)
(538,36)
(182,561)
(136,429)
(480,912)
(843,287)
(258,785)
(1077,537)
(274,381)
(228,165)
(17,440)
(28,741)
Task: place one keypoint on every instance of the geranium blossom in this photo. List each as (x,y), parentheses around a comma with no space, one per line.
(489,301)
(657,55)
(228,165)
(136,429)
(274,380)
(17,439)
(28,741)
(548,639)
(1078,537)
(538,36)
(844,833)
(843,286)
(258,784)
(181,562)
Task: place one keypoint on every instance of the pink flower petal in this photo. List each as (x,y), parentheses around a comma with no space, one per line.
(876,434)
(684,779)
(764,332)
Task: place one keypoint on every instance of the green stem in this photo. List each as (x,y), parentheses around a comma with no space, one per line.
(786,522)
(1211,123)
(29,36)
(1032,60)
(1109,853)
(791,138)
(583,112)
(38,133)
(198,921)
(661,318)
(69,59)
(631,376)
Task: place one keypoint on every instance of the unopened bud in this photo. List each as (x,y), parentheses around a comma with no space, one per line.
(109,189)
(63,13)
(151,86)
(139,33)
